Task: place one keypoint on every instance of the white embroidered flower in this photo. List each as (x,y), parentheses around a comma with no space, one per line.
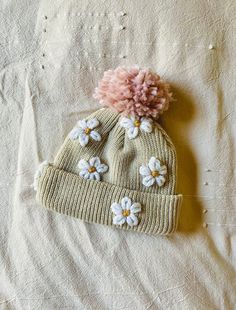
(153,173)
(134,124)
(126,211)
(85,130)
(38,174)
(92,169)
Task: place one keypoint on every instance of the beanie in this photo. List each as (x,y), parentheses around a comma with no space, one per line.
(118,167)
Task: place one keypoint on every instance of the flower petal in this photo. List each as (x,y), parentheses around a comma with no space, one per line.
(84,174)
(94,176)
(97,176)
(83,139)
(158,165)
(126,203)
(91,176)
(148,181)
(136,207)
(144,170)
(132,132)
(163,170)
(95,162)
(132,220)
(126,122)
(146,125)
(74,134)
(116,208)
(102,168)
(92,123)
(82,123)
(154,163)
(160,180)
(119,220)
(83,164)
(95,135)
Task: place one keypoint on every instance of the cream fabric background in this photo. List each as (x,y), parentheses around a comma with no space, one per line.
(50,261)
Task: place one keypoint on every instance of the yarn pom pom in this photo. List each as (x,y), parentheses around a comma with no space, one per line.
(134,91)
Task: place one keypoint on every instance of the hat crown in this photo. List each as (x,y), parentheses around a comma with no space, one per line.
(122,155)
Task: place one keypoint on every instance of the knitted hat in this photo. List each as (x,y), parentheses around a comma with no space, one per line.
(118,166)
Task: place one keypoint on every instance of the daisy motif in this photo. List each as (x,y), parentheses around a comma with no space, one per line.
(134,124)
(38,174)
(126,211)
(154,172)
(85,130)
(92,169)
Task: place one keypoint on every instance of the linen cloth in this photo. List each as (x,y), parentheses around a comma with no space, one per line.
(52,55)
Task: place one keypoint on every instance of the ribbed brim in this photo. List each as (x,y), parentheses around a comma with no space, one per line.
(91,201)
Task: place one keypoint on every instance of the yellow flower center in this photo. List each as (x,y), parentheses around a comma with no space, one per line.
(137,123)
(126,212)
(155,173)
(87,131)
(91,169)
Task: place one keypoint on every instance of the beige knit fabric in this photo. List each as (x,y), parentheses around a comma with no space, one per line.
(60,187)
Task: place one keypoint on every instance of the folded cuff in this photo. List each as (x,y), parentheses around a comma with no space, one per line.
(91,201)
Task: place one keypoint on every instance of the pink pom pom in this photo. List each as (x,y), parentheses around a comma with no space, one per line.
(134,91)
